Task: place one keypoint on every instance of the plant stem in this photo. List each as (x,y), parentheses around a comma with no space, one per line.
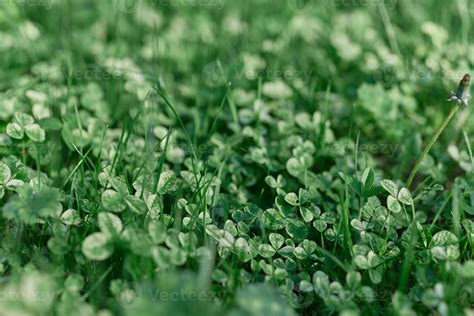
(430,144)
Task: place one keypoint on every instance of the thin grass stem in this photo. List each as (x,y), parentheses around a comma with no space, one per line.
(430,144)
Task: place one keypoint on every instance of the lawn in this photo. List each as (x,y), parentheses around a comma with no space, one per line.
(241,158)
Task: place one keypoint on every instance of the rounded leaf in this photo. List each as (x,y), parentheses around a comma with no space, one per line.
(276,240)
(14,130)
(5,173)
(112,201)
(97,246)
(444,246)
(271,182)
(292,199)
(320,225)
(35,133)
(157,231)
(294,167)
(71,217)
(110,224)
(13,183)
(404,197)
(266,250)
(361,262)
(136,204)
(24,119)
(393,205)
(390,187)
(51,123)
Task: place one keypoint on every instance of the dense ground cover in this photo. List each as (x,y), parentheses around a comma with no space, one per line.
(234,157)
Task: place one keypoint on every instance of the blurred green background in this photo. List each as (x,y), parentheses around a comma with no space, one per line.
(386,66)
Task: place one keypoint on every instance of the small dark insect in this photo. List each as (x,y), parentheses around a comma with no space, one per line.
(462,94)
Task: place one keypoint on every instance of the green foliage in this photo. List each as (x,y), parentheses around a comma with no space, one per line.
(32,205)
(221,158)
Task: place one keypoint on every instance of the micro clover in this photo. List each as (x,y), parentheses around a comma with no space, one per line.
(462,94)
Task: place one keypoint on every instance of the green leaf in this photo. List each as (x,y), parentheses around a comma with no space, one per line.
(71,217)
(29,206)
(12,184)
(373,259)
(51,124)
(286,251)
(306,214)
(390,187)
(296,229)
(138,241)
(58,246)
(162,257)
(321,283)
(271,182)
(375,276)
(110,224)
(367,180)
(112,201)
(309,246)
(320,225)
(74,282)
(42,292)
(404,197)
(359,225)
(178,256)
(24,119)
(260,299)
(166,182)
(294,167)
(276,240)
(361,262)
(306,286)
(444,246)
(157,231)
(292,199)
(35,133)
(266,250)
(136,204)
(242,249)
(393,205)
(353,279)
(97,246)
(467,270)
(303,196)
(14,130)
(5,173)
